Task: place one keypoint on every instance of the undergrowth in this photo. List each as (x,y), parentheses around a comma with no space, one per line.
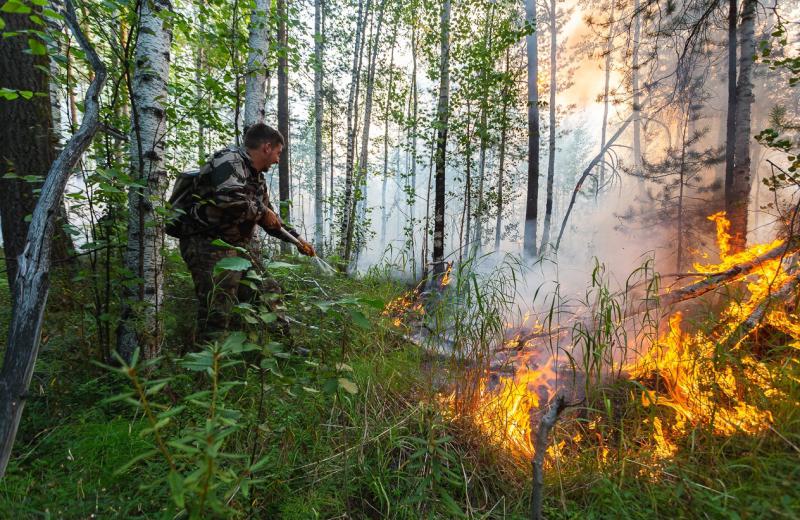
(341,421)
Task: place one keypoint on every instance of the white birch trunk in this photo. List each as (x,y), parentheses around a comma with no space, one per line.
(255,93)
(361,205)
(318,195)
(140,326)
(551,155)
(441,142)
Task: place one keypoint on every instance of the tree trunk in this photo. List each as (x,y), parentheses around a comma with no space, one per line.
(360,206)
(414,129)
(682,181)
(597,158)
(200,64)
(730,126)
(284,193)
(477,244)
(255,94)
(551,154)
(466,214)
(332,171)
(637,110)
(532,195)
(318,178)
(32,283)
(737,205)
(387,116)
(140,325)
(503,136)
(604,125)
(441,142)
(352,121)
(27,143)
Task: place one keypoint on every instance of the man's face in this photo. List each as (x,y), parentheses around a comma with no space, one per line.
(273,152)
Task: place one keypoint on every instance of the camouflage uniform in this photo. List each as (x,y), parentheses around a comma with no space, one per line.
(230,198)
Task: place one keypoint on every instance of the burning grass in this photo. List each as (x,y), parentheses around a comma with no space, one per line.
(687,377)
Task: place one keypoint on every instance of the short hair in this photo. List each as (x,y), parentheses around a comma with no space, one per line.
(257,134)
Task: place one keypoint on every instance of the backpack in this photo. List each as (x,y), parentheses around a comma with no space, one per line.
(180,203)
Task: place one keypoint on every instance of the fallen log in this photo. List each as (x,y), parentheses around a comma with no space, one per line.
(754,320)
(736,272)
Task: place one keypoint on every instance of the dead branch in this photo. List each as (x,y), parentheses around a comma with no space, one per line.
(586,173)
(736,272)
(756,317)
(540,448)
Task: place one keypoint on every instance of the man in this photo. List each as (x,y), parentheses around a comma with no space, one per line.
(227,200)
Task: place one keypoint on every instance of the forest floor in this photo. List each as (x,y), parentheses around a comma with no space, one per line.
(354,429)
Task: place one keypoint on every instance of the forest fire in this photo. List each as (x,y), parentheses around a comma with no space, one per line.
(694,374)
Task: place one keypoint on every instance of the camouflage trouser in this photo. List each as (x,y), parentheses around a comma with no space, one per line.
(217,293)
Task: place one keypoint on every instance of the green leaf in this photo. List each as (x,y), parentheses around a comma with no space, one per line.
(122,469)
(15,6)
(348,386)
(37,48)
(176,488)
(232,263)
(375,303)
(221,243)
(8,93)
(359,319)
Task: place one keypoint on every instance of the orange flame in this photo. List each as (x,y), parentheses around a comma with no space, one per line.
(689,374)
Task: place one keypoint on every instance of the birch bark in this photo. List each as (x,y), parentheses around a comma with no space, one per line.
(255,93)
(140,325)
(318,181)
(441,142)
(551,155)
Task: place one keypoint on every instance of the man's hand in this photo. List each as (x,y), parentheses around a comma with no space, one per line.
(271,220)
(305,248)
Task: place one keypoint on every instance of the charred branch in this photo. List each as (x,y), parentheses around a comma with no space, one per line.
(540,448)
(790,247)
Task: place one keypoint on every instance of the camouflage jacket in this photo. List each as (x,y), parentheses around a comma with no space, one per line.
(230,198)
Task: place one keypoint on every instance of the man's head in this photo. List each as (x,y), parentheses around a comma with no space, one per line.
(264,144)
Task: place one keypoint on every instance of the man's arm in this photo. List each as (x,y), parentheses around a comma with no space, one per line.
(275,227)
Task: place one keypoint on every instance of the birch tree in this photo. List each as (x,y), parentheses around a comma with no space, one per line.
(441,141)
(255,94)
(352,120)
(318,180)
(143,294)
(364,156)
(283,111)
